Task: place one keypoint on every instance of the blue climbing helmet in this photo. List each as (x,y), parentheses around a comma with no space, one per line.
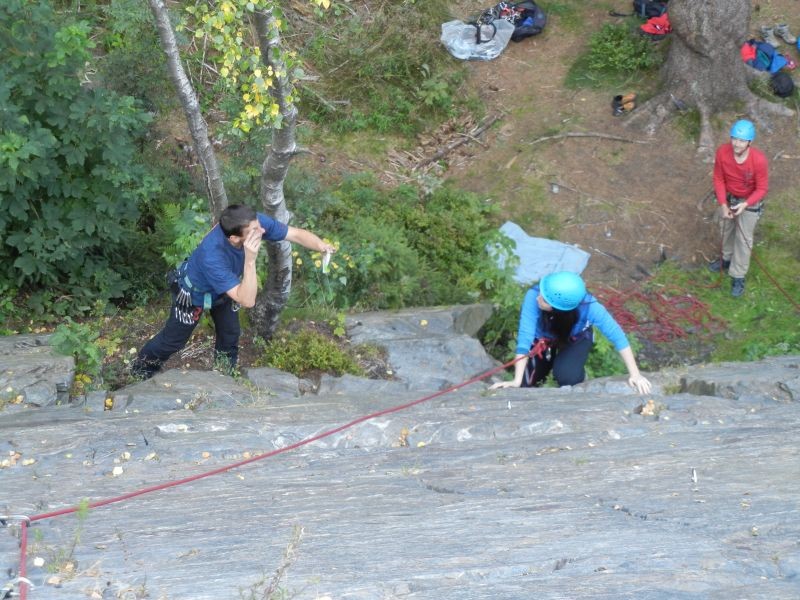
(562,290)
(743,130)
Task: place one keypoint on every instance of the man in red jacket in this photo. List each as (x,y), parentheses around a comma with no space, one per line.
(741,181)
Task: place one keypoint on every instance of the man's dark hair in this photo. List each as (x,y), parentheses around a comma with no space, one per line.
(235,218)
(561,323)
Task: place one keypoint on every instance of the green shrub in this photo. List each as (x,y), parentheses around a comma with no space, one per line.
(79,341)
(133,63)
(384,67)
(398,247)
(185,225)
(68,160)
(604,360)
(305,352)
(616,48)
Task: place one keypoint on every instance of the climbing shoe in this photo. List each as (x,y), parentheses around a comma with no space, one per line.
(782,31)
(768,34)
(737,287)
(719,265)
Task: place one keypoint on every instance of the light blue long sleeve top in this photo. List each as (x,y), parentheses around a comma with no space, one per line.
(590,313)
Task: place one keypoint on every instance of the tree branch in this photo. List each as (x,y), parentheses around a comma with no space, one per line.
(587,134)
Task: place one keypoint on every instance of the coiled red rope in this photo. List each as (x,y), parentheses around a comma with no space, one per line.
(660,316)
(24,522)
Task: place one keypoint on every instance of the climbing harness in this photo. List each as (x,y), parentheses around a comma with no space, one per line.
(541,349)
(186,312)
(733,202)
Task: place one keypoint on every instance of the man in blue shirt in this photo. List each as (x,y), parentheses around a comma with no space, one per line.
(219,276)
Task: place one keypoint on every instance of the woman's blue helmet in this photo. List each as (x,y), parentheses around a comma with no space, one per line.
(743,130)
(562,290)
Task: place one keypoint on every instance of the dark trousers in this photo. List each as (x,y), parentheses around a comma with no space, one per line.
(174,335)
(567,364)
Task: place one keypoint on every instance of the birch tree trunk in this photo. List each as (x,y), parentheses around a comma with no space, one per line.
(704,70)
(217,199)
(273,297)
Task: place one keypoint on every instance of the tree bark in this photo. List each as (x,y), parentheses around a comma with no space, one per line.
(217,198)
(273,297)
(704,70)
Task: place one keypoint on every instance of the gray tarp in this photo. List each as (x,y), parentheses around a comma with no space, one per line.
(538,256)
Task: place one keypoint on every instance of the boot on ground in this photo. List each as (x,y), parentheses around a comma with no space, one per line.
(768,34)
(737,286)
(782,31)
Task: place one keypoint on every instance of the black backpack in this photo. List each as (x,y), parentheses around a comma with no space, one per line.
(526,17)
(649,8)
(529,20)
(782,84)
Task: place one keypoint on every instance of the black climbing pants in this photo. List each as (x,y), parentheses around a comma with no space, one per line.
(567,364)
(174,335)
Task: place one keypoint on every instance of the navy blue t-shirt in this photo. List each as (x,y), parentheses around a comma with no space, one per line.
(216,266)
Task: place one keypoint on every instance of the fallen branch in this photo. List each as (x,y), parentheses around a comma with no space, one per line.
(586,134)
(472,135)
(322,100)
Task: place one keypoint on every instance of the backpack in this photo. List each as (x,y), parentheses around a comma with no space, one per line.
(762,56)
(782,84)
(649,8)
(526,17)
(656,27)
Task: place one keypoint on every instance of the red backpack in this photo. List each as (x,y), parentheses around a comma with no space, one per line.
(656,27)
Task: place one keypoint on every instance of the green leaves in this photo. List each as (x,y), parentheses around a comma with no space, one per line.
(67,172)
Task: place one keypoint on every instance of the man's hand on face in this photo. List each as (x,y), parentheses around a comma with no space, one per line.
(252,244)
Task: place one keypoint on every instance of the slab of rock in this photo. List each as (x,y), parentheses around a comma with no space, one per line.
(517,493)
(31,369)
(277,383)
(428,349)
(776,378)
(179,389)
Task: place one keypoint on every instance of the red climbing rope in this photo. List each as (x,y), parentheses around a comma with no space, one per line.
(25,521)
(660,316)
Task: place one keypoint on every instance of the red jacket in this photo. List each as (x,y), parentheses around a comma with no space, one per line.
(749,180)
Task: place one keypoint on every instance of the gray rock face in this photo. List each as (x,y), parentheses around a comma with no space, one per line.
(546,493)
(430,349)
(29,368)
